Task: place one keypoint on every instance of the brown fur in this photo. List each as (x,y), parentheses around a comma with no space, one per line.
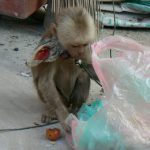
(61,84)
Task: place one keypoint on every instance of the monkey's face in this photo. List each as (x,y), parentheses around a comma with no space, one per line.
(79,51)
(75,31)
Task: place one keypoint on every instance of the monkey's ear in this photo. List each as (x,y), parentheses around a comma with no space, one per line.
(51,30)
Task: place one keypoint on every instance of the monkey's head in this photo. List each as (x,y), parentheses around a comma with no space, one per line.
(76,29)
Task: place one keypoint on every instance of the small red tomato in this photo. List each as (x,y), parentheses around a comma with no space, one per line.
(53,134)
(42,54)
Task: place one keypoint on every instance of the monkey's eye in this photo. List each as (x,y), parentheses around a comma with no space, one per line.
(75,46)
(85,45)
(82,45)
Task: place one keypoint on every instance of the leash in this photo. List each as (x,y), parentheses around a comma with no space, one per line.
(84,66)
(29,127)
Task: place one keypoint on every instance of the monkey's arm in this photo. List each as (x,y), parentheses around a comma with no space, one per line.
(43,75)
(61,110)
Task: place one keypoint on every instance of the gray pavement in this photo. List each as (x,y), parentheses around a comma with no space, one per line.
(19,104)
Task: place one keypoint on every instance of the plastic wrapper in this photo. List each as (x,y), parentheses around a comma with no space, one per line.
(123,121)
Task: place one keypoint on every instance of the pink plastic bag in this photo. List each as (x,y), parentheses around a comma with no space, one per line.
(132,62)
(124,122)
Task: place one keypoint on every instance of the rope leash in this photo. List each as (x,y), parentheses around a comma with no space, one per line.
(29,127)
(85,68)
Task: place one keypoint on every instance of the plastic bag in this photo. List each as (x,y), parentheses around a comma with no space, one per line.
(124,121)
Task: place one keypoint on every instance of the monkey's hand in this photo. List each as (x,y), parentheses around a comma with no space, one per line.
(60,109)
(62,115)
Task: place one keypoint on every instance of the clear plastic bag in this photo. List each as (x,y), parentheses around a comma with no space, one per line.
(124,121)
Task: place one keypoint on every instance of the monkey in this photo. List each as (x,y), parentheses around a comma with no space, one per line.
(61,84)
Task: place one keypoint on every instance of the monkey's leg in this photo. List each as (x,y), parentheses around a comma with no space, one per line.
(80,92)
(42,90)
(54,102)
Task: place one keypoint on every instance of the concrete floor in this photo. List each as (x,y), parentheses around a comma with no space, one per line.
(19,104)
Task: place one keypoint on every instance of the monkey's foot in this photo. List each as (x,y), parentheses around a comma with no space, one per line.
(48,116)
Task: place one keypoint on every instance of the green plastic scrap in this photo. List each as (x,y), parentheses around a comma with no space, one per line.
(143,2)
(87,111)
(96,127)
(138,7)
